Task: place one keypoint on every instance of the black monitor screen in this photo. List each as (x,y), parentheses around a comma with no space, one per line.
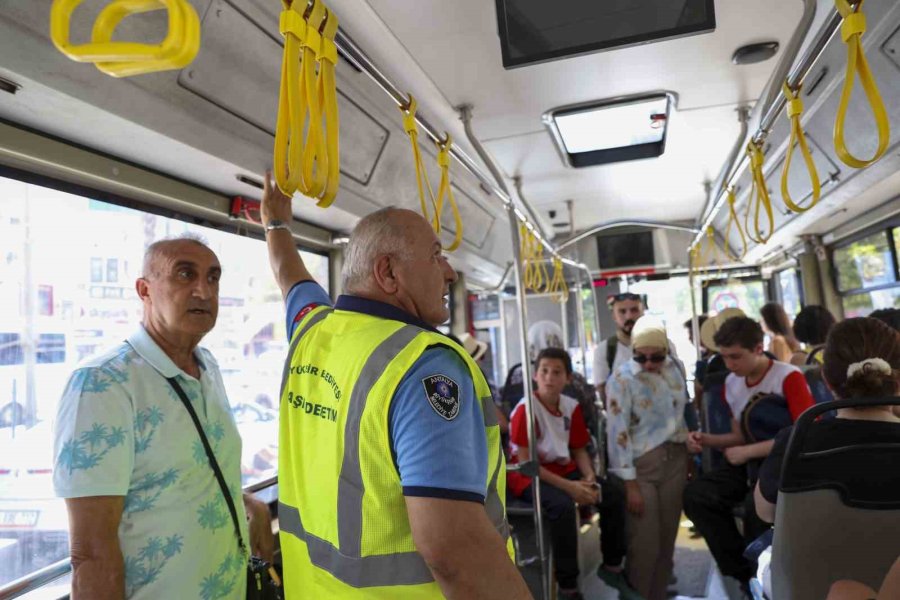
(625,250)
(533,31)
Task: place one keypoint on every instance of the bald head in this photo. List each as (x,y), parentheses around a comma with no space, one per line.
(389,231)
(161,252)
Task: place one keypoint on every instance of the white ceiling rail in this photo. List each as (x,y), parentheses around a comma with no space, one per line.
(772,101)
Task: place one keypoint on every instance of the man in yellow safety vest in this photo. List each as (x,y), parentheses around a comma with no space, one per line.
(391,478)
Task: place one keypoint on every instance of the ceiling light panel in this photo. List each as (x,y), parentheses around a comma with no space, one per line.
(607,131)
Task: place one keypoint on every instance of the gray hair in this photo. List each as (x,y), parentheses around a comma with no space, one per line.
(375,235)
(158,249)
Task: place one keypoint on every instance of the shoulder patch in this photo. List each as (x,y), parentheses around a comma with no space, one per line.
(443,395)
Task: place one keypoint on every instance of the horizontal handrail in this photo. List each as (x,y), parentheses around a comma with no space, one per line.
(36,580)
(42,577)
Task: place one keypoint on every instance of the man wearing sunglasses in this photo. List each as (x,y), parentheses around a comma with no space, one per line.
(614,351)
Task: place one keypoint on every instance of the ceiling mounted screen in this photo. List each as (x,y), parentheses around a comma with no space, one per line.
(533,31)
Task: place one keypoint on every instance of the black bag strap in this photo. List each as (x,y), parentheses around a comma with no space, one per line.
(612,347)
(213,463)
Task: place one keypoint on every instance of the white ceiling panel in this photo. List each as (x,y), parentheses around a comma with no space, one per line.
(456,46)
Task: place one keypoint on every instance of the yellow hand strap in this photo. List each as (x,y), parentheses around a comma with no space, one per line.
(123,59)
(308,103)
(759,197)
(558,286)
(326,87)
(734,222)
(794,110)
(291,101)
(412,130)
(525,246)
(445,190)
(313,180)
(851,33)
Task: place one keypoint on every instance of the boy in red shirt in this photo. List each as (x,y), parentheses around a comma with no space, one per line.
(566,472)
(709,501)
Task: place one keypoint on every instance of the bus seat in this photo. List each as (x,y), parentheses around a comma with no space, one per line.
(825,530)
(816,383)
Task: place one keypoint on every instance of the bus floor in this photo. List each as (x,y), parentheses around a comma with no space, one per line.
(697,577)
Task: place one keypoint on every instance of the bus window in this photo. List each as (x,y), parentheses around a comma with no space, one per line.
(747,294)
(66,296)
(867,273)
(789,293)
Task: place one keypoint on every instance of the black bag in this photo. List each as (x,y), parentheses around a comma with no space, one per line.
(260,583)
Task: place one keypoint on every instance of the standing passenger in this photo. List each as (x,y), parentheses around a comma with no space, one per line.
(811,326)
(391,479)
(646,436)
(147,517)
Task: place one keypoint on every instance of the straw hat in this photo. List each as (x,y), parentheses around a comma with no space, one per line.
(476,348)
(712,325)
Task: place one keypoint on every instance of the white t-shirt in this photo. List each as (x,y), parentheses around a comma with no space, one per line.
(623,354)
(553,430)
(738,394)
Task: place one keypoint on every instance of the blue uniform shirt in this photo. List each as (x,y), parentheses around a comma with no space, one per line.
(435,457)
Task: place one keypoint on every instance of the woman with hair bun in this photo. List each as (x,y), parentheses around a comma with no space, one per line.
(861,360)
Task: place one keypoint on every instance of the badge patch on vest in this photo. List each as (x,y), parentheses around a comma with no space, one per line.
(443,395)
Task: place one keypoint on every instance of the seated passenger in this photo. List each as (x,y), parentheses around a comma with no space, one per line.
(646,434)
(891,316)
(862,360)
(776,323)
(566,472)
(853,590)
(811,327)
(709,501)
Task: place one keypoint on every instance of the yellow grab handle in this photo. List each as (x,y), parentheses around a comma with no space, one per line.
(291,101)
(558,286)
(327,89)
(759,196)
(446,190)
(734,222)
(121,59)
(313,182)
(794,110)
(422,181)
(852,29)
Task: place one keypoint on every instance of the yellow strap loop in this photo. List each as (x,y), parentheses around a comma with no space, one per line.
(759,197)
(526,250)
(445,190)
(794,111)
(558,286)
(122,59)
(422,181)
(852,29)
(734,222)
(310,162)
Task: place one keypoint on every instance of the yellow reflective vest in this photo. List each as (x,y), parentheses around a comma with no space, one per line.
(344,528)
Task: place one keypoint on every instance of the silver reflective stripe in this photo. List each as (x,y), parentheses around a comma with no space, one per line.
(350,484)
(296,342)
(403,568)
(493,506)
(489,412)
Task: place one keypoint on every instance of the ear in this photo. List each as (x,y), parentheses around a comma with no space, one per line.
(383,272)
(142,287)
(570,377)
(759,349)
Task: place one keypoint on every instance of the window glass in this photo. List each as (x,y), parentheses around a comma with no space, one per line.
(66,296)
(789,291)
(747,294)
(865,263)
(860,305)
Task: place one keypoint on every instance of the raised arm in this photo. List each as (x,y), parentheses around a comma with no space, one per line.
(287,266)
(462,549)
(98,569)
